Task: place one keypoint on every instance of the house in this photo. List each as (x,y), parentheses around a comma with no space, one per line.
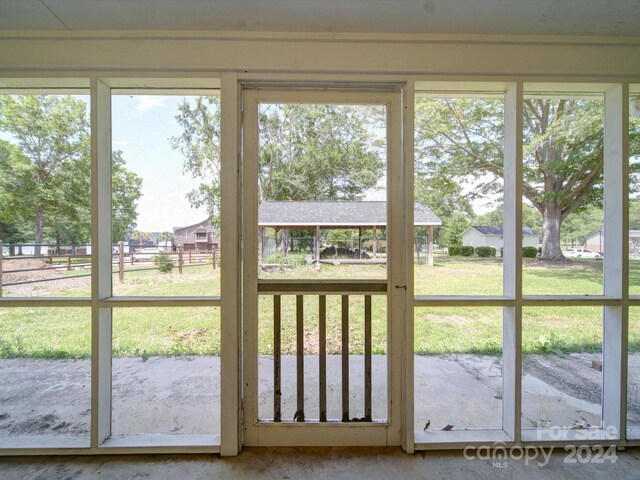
(492,236)
(595,242)
(199,237)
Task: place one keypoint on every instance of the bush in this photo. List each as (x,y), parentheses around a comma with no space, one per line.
(485,251)
(466,251)
(454,250)
(291,259)
(530,252)
(163,262)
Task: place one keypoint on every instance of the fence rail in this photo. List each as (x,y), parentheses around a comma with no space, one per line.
(123,263)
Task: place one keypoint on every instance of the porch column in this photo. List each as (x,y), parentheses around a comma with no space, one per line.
(430,247)
(374,238)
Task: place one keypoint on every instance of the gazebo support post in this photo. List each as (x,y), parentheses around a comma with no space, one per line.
(360,243)
(317,247)
(430,251)
(374,239)
(260,246)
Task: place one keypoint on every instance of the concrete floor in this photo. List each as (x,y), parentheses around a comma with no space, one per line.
(181,395)
(314,463)
(160,394)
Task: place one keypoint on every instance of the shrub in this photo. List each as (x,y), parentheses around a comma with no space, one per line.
(485,251)
(163,262)
(454,250)
(466,251)
(291,259)
(530,252)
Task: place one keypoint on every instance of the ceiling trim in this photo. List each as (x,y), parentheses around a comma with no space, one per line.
(322,37)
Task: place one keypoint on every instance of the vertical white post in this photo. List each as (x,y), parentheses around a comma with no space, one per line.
(616,257)
(408,120)
(249,195)
(231,373)
(512,263)
(397,241)
(101,319)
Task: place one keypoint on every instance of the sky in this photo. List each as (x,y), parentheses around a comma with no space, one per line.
(142,126)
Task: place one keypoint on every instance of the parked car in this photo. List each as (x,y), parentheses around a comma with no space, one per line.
(580,253)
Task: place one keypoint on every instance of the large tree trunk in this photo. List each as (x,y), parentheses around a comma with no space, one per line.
(551,223)
(39,230)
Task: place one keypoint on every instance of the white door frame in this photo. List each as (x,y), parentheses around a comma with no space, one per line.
(330,433)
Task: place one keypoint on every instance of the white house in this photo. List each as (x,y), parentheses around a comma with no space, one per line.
(491,236)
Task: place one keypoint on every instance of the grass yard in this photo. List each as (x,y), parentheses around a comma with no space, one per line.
(143,332)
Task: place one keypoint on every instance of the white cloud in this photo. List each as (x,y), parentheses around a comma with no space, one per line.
(146,103)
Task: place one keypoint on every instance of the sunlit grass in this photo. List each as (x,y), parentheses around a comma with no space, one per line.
(65,332)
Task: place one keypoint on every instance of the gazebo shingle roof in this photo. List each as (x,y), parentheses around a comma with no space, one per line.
(344,213)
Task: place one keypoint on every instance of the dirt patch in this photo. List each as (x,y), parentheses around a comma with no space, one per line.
(40,274)
(44,270)
(571,374)
(190,335)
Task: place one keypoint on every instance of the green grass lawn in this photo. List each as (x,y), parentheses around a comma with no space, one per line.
(142,332)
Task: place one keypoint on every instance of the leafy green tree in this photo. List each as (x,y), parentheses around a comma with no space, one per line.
(46,170)
(127,190)
(451,231)
(199,145)
(563,154)
(530,217)
(51,133)
(581,224)
(317,152)
(307,152)
(634,214)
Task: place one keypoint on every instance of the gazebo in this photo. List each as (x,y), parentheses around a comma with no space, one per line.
(346,214)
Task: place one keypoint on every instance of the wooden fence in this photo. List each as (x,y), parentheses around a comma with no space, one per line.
(121,261)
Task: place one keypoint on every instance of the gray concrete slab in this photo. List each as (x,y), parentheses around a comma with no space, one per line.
(181,395)
(317,463)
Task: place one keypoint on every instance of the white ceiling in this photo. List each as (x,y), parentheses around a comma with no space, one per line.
(533,17)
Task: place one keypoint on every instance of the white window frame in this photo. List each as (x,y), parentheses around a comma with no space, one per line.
(615,301)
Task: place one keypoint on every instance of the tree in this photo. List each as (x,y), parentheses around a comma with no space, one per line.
(51,132)
(200,147)
(126,187)
(307,152)
(317,152)
(450,234)
(530,217)
(46,168)
(563,153)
